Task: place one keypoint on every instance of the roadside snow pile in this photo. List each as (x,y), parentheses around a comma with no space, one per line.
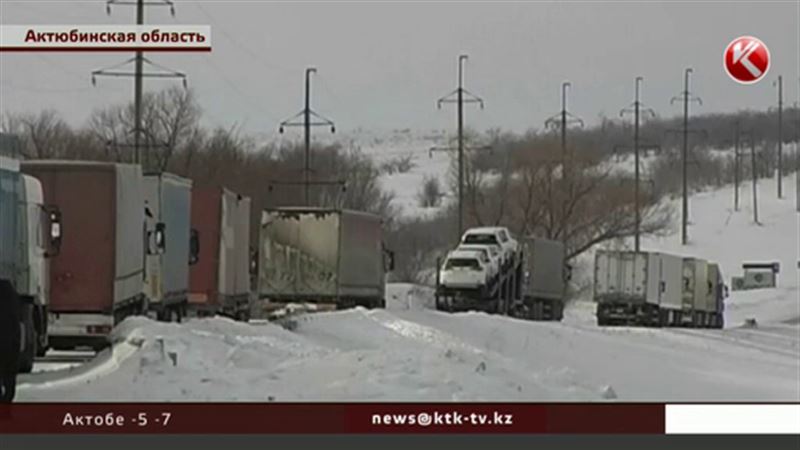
(354,355)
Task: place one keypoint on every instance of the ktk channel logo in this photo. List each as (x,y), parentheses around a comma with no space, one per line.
(746,60)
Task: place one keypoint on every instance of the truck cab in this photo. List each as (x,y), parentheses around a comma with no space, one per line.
(30,233)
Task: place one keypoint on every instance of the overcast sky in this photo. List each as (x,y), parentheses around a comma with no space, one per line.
(383,65)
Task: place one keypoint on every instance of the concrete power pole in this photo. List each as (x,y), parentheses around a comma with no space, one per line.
(460,96)
(307,123)
(754,175)
(637,109)
(779,84)
(138,73)
(562,122)
(686,97)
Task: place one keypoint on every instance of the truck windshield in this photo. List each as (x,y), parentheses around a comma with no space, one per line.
(482,239)
(463,263)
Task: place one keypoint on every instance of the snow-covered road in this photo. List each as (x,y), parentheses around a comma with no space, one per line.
(409,352)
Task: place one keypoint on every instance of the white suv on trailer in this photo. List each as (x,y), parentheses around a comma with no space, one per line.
(499,236)
(465,269)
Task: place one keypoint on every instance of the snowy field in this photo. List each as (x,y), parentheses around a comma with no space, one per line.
(410,352)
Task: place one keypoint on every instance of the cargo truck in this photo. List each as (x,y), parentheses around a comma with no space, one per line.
(30,234)
(637,288)
(654,289)
(168,201)
(320,255)
(219,282)
(97,279)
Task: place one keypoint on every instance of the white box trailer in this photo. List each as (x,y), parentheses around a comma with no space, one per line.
(168,200)
(320,255)
(641,288)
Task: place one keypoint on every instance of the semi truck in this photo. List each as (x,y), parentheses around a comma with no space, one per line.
(638,288)
(168,201)
(219,282)
(323,256)
(97,279)
(657,289)
(30,234)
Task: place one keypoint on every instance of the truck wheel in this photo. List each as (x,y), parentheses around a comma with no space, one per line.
(28,341)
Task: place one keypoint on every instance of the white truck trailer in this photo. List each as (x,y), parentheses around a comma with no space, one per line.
(168,200)
(643,288)
(319,255)
(657,289)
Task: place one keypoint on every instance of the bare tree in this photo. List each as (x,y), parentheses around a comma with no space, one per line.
(43,135)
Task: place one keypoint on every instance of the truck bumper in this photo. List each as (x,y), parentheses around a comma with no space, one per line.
(70,330)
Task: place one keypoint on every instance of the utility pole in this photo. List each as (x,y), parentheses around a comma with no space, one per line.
(738,137)
(139,74)
(637,110)
(307,114)
(561,121)
(686,97)
(460,96)
(797,152)
(754,175)
(779,83)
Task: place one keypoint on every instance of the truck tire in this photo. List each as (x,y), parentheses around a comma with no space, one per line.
(29,340)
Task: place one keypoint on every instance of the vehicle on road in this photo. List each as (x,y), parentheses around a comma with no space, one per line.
(323,255)
(97,278)
(30,234)
(499,236)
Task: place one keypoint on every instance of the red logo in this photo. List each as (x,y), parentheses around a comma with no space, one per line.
(746,59)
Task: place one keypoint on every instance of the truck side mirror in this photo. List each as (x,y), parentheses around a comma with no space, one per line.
(194,247)
(54,217)
(568,272)
(160,238)
(253,261)
(388,260)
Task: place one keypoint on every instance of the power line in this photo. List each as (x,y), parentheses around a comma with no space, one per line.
(562,122)
(139,74)
(779,84)
(637,110)
(460,96)
(307,114)
(686,97)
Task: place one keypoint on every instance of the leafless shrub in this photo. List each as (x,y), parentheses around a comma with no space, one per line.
(399,164)
(430,193)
